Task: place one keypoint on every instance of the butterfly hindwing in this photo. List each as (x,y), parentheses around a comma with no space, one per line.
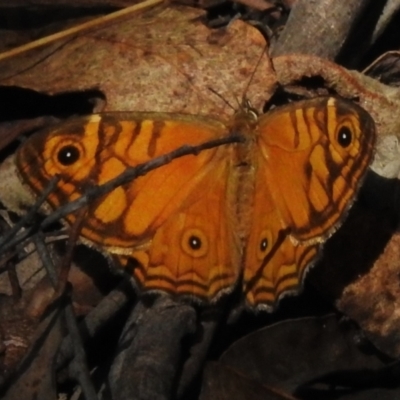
(196,252)
(274,265)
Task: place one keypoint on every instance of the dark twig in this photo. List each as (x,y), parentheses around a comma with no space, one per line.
(78,366)
(41,248)
(9,240)
(13,279)
(96,319)
(67,260)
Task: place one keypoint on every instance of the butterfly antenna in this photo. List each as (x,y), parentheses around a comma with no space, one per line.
(222,98)
(244,104)
(244,97)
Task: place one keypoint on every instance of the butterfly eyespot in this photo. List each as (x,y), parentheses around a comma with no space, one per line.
(68,155)
(194,243)
(263,244)
(344,136)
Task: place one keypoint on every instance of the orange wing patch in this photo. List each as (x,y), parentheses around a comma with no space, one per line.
(259,209)
(196,252)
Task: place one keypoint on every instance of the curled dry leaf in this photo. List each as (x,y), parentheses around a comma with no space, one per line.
(150,349)
(387,157)
(386,68)
(283,356)
(16,330)
(15,194)
(380,100)
(367,294)
(164,59)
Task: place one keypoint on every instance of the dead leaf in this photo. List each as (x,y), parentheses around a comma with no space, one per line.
(164,59)
(373,300)
(360,269)
(381,101)
(224,383)
(386,68)
(289,354)
(35,377)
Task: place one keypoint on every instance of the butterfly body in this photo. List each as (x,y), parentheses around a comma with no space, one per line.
(257,209)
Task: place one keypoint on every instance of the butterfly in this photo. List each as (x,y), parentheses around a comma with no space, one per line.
(253,213)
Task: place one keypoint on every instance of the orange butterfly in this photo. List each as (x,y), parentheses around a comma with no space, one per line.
(257,210)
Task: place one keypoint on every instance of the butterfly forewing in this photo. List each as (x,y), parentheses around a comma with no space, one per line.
(315,163)
(106,146)
(312,157)
(174,220)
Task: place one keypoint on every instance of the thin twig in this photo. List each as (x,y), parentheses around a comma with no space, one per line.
(79,28)
(31,213)
(67,260)
(390,11)
(44,255)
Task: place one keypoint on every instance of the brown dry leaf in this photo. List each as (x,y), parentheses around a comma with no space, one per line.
(36,375)
(224,383)
(164,59)
(279,361)
(16,331)
(29,272)
(381,101)
(373,300)
(20,317)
